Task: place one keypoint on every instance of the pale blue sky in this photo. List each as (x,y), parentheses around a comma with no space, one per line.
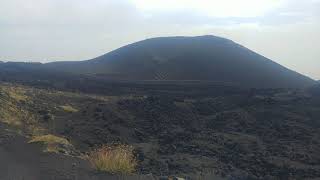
(286,31)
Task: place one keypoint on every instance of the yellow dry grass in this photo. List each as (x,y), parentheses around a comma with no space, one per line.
(51,142)
(118,159)
(69,108)
(15,92)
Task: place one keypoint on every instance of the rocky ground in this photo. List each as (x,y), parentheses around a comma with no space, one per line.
(252,134)
(21,160)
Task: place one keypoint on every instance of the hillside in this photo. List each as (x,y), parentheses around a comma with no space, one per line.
(182,104)
(203,58)
(315,90)
(270,134)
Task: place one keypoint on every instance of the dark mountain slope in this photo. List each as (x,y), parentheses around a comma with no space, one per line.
(315,90)
(204,58)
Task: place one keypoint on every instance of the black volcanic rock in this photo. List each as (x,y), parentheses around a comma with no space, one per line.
(315,90)
(203,58)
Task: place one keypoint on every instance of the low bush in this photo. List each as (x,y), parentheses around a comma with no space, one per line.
(117,159)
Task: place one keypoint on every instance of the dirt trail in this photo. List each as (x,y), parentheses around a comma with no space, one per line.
(22,161)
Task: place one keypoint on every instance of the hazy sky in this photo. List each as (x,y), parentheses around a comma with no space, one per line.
(286,31)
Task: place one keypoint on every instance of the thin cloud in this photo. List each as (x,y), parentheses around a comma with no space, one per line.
(213,8)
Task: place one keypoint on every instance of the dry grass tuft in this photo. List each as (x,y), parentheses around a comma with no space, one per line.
(69,108)
(53,143)
(118,159)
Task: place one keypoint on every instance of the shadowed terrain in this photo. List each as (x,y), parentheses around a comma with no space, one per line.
(23,161)
(202,58)
(244,134)
(199,107)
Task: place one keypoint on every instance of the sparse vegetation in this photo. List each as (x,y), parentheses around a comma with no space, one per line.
(69,108)
(15,92)
(113,159)
(159,128)
(13,113)
(53,143)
